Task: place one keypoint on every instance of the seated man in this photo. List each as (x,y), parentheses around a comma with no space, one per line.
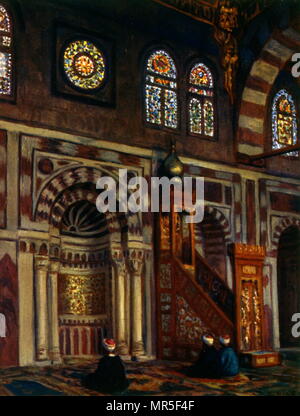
(110,375)
(228,363)
(205,366)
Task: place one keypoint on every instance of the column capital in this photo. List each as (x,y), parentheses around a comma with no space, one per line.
(136,260)
(41,262)
(54,266)
(118,260)
(121,267)
(117,254)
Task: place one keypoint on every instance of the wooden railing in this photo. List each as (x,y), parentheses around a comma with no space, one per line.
(214,286)
(201,302)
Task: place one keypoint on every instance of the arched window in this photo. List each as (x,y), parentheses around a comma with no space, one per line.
(6,70)
(284,122)
(201,101)
(161,90)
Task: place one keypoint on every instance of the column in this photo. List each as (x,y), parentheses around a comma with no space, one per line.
(120,268)
(136,261)
(26,312)
(54,350)
(41,271)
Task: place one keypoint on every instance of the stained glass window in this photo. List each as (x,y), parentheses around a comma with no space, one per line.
(161,90)
(284,122)
(84,65)
(201,76)
(201,105)
(208,116)
(195,115)
(6,70)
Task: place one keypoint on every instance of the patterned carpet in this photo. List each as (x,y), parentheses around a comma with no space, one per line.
(155,378)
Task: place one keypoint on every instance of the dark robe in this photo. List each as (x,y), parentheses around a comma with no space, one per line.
(228,363)
(110,376)
(206,365)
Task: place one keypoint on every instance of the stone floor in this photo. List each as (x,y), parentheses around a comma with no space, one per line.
(155,378)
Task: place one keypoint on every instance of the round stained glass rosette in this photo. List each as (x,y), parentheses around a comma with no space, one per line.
(84,64)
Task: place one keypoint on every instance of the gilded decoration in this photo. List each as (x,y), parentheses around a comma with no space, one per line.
(165,276)
(245,319)
(249,270)
(82,295)
(165,232)
(189,327)
(227,25)
(249,250)
(257,320)
(251,322)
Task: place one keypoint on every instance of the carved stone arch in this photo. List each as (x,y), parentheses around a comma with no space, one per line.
(59,183)
(124,286)
(60,192)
